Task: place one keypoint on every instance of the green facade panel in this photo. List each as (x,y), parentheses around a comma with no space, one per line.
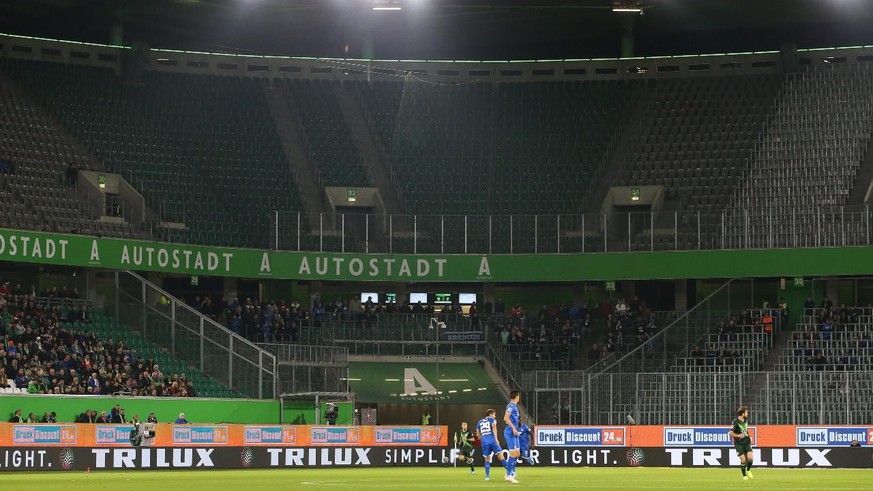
(72,250)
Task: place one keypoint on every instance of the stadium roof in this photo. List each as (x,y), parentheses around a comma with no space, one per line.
(449,29)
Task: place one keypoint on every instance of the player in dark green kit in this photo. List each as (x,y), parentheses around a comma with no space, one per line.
(465,439)
(742,442)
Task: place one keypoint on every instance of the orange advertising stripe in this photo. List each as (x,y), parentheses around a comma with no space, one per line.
(169,435)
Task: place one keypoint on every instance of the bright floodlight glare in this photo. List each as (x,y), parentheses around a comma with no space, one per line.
(628,9)
(383,9)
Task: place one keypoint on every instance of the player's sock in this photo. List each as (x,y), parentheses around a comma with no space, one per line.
(743,469)
(749,465)
(510,465)
(470,461)
(488,469)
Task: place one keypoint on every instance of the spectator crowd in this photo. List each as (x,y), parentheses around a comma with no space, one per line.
(115,415)
(48,349)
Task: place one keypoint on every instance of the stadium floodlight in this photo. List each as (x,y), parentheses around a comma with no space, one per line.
(627,9)
(387,6)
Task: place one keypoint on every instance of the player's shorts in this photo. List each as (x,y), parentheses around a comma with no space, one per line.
(512,442)
(490,447)
(743,448)
(467,451)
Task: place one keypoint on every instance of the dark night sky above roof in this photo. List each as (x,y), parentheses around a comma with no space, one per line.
(449,29)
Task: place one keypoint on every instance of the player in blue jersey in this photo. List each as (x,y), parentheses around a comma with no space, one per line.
(511,433)
(486,431)
(524,441)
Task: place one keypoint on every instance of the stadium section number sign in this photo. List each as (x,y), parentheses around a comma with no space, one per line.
(74,250)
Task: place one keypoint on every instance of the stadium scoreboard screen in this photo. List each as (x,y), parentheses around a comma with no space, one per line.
(442,298)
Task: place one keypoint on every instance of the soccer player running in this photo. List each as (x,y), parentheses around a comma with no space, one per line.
(486,431)
(742,442)
(511,433)
(465,439)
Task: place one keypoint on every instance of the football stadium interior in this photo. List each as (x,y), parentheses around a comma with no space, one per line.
(344,239)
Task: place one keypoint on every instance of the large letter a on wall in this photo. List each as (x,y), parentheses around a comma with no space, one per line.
(414,381)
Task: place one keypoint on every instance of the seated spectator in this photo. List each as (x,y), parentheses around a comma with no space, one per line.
(181,419)
(847,362)
(31,418)
(733,354)
(711,356)
(85,417)
(102,418)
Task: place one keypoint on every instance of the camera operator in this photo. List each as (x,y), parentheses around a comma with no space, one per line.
(148,432)
(331,414)
(136,434)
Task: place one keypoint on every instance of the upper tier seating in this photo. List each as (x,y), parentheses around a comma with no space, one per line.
(201,149)
(696,137)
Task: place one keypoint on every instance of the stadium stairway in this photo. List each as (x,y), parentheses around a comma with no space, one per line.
(283,112)
(863,181)
(622,150)
(105,327)
(363,140)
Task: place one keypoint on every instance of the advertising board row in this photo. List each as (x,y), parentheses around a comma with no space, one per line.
(86,435)
(267,457)
(772,436)
(91,435)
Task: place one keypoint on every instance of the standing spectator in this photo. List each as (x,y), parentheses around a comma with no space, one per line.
(425,418)
(72,174)
(16,417)
(808,306)
(474,316)
(83,315)
(115,414)
(181,419)
(593,355)
(697,355)
(827,328)
(820,361)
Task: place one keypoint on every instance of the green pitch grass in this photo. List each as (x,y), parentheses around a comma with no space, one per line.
(424,479)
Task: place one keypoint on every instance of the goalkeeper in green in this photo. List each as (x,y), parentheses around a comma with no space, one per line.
(464,440)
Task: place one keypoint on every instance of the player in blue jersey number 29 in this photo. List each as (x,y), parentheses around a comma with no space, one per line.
(486,431)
